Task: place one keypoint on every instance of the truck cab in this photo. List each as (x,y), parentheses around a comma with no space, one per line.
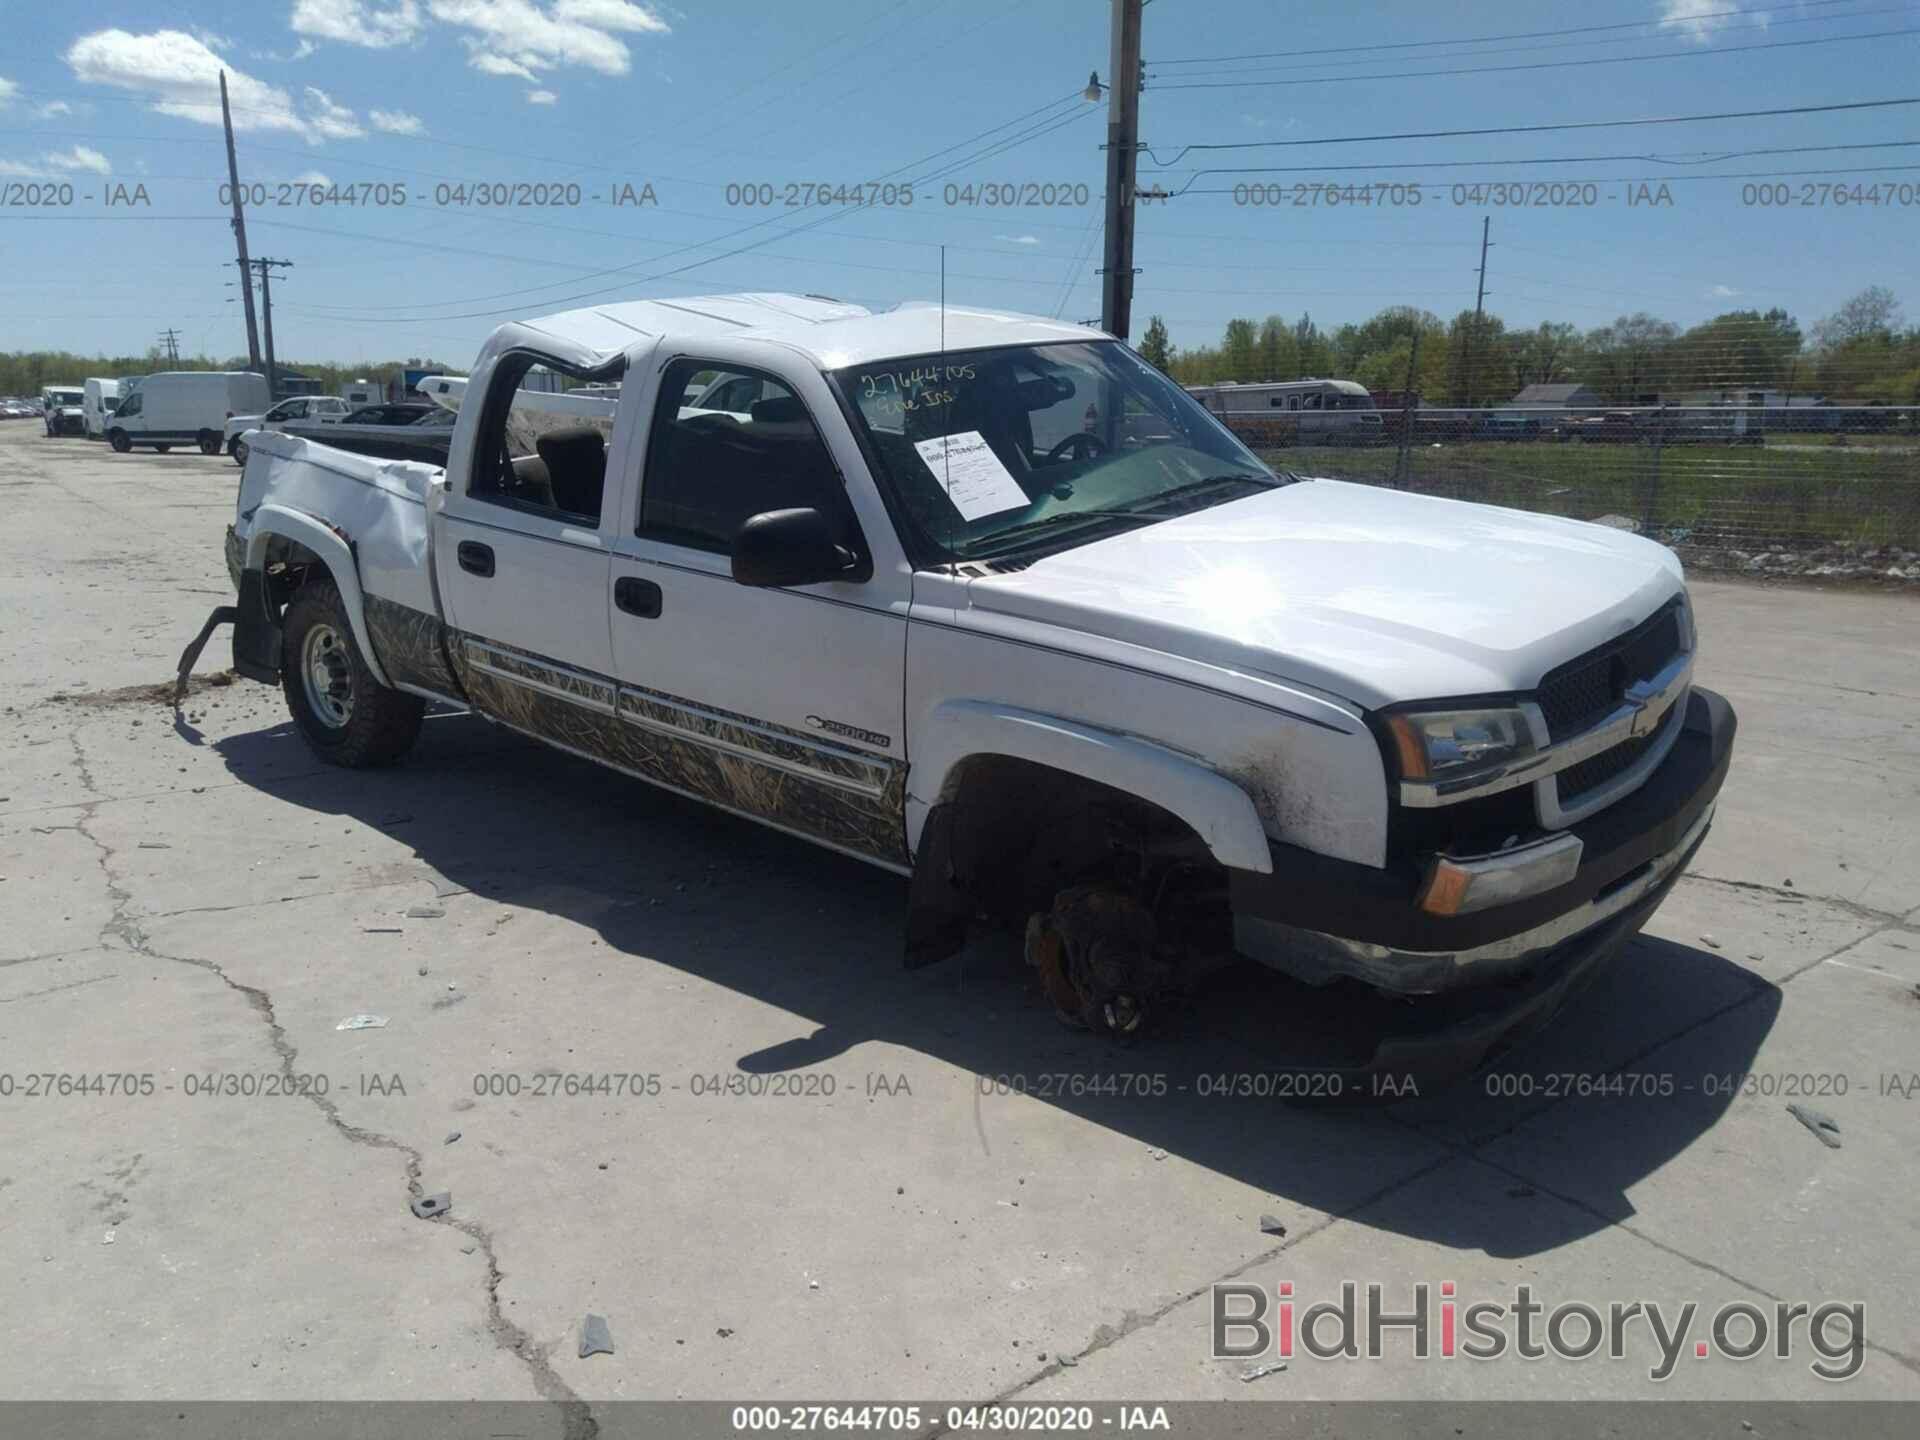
(986,600)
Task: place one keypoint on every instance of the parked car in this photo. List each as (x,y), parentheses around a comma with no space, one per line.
(62,407)
(1616,427)
(185,407)
(395,414)
(1509,425)
(392,432)
(322,409)
(1154,704)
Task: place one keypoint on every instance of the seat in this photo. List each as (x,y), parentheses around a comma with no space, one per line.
(576,461)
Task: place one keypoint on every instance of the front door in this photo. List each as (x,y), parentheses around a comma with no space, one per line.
(781,704)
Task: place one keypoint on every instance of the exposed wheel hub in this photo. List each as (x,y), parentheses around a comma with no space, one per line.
(327,673)
(1096,957)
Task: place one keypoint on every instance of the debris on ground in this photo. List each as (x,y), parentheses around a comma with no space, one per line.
(1255,1372)
(381,930)
(1069,1361)
(425,912)
(595,1338)
(155,845)
(1825,1126)
(724,1333)
(428,1206)
(363,1022)
(1158,1154)
(1270,1225)
(451,1138)
(1709,940)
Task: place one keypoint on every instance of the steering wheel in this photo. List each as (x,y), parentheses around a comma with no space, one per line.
(1077,446)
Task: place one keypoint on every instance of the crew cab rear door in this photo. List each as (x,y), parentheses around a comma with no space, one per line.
(521,550)
(784,704)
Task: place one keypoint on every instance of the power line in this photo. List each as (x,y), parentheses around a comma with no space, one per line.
(1677,37)
(1718,50)
(1534,129)
(1484,39)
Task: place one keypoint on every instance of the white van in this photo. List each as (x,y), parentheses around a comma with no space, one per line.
(97,407)
(186,407)
(60,408)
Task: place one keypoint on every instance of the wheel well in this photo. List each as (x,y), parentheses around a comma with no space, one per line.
(289,566)
(1020,832)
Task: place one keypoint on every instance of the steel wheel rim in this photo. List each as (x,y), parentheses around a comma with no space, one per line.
(327,674)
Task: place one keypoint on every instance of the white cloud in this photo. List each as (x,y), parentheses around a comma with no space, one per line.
(180,76)
(53,110)
(487,63)
(56,163)
(7,89)
(356,22)
(519,37)
(1019,239)
(313,177)
(542,97)
(80,157)
(1701,19)
(396,122)
(328,120)
(1722,292)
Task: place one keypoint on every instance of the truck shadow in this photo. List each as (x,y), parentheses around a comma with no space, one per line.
(668,881)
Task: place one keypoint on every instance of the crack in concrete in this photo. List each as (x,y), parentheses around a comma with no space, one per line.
(577,1422)
(1851,907)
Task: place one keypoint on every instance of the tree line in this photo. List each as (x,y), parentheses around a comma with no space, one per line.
(1860,354)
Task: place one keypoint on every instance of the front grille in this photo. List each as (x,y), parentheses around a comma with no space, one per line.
(1592,773)
(1578,694)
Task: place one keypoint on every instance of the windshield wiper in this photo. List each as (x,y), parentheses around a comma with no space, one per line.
(1195,486)
(1025,527)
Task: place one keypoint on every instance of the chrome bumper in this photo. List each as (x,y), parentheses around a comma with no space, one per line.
(1316,957)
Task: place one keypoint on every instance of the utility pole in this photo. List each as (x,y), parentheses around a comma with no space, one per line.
(266,267)
(239,229)
(1479,307)
(171,339)
(1123,145)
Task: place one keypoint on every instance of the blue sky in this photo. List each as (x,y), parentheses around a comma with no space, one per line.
(690,101)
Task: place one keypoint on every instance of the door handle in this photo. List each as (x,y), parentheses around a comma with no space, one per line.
(475,558)
(637,597)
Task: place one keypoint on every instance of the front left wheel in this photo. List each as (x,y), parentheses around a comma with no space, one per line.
(345,715)
(120,441)
(209,442)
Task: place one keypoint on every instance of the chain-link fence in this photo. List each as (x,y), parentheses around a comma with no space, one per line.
(1820,490)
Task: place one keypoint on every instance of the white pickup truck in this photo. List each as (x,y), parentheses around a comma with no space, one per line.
(988,600)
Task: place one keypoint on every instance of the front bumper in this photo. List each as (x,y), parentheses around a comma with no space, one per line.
(1321,919)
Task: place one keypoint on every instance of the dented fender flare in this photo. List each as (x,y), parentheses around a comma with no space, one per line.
(278,522)
(1219,811)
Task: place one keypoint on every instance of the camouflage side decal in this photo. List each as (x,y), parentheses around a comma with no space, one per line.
(407,643)
(830,792)
(236,555)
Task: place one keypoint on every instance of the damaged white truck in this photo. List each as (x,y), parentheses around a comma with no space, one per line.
(987,600)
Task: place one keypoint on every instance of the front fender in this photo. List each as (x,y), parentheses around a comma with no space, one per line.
(1218,811)
(335,553)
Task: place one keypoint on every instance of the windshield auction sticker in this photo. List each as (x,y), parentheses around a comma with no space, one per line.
(972,475)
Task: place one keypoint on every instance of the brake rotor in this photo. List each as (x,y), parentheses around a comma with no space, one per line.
(1094,952)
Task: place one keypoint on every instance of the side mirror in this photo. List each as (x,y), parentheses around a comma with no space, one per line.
(790,547)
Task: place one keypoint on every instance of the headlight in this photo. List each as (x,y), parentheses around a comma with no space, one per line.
(1447,744)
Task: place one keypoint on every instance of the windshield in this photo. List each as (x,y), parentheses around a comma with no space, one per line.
(66,397)
(989,452)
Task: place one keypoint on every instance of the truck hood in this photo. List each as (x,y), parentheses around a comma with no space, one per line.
(1368,594)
